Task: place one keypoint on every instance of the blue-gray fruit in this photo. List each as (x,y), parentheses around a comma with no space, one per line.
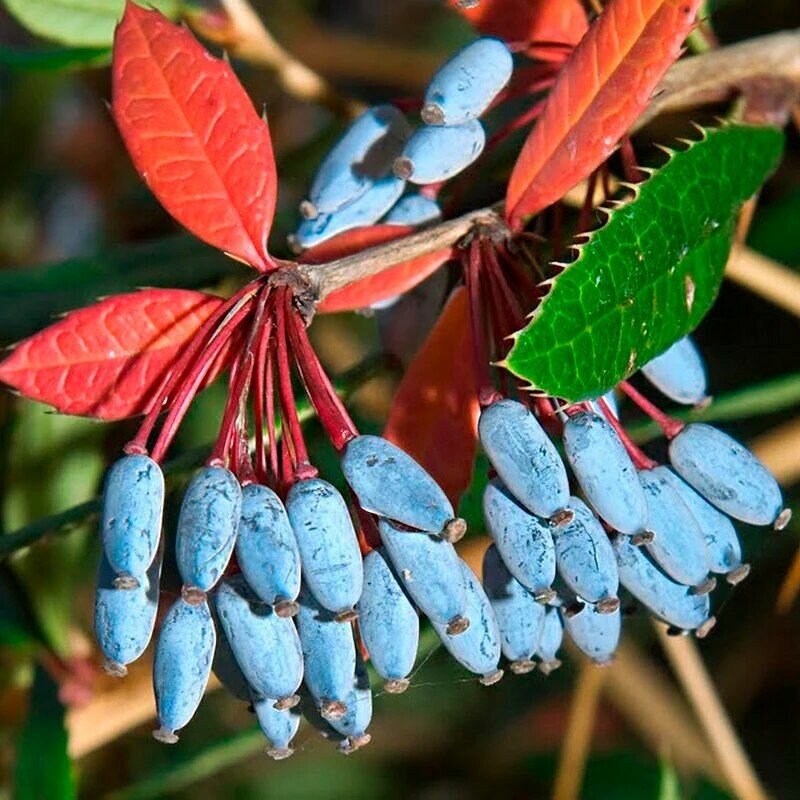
(465,86)
(330,656)
(678,545)
(265,645)
(413,209)
(524,458)
(328,546)
(520,617)
(430,571)
(672,602)
(279,727)
(266,549)
(366,209)
(388,622)
(207,525)
(550,641)
(391,484)
(124,618)
(364,154)
(596,634)
(130,526)
(585,558)
(478,648)
(605,472)
(679,373)
(353,725)
(726,474)
(437,154)
(525,542)
(182,664)
(224,664)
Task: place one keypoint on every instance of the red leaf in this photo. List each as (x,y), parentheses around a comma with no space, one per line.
(606,83)
(194,135)
(381,286)
(107,360)
(530,21)
(434,415)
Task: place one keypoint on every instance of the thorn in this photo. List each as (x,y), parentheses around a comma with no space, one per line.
(737,574)
(607,605)
(457,625)
(454,530)
(396,685)
(491,678)
(705,587)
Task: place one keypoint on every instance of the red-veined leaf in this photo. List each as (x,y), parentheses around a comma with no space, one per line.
(434,415)
(373,289)
(546,21)
(194,135)
(606,83)
(107,360)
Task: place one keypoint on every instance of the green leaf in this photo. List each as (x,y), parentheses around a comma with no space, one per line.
(43,770)
(651,273)
(84,23)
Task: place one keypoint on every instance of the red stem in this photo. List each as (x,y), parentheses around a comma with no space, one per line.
(640,460)
(671,427)
(269,379)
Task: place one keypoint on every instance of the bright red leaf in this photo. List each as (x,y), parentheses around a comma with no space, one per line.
(107,360)
(434,415)
(606,83)
(194,135)
(530,21)
(381,286)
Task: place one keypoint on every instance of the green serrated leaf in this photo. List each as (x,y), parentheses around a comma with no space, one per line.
(651,273)
(83,23)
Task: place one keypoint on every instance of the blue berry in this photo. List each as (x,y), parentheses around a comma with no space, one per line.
(388,622)
(437,154)
(207,525)
(726,474)
(550,641)
(524,541)
(328,546)
(519,617)
(133,504)
(353,725)
(605,472)
(182,665)
(266,646)
(413,209)
(679,373)
(524,457)
(279,727)
(266,549)
(477,648)
(465,86)
(595,633)
(224,665)
(430,571)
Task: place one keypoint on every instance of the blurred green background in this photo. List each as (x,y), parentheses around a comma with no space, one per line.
(76,223)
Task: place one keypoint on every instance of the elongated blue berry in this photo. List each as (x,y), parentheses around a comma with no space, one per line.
(595,633)
(388,622)
(182,664)
(279,727)
(389,483)
(524,457)
(525,542)
(672,602)
(265,645)
(224,664)
(133,504)
(437,154)
(679,373)
(124,618)
(266,549)
(519,617)
(207,525)
(364,154)
(585,558)
(353,725)
(430,571)
(727,475)
(605,472)
(478,648)
(465,86)
(722,542)
(366,209)
(330,656)
(331,559)
(413,209)
(550,641)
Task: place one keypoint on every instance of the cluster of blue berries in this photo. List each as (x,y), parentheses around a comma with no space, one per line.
(362,179)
